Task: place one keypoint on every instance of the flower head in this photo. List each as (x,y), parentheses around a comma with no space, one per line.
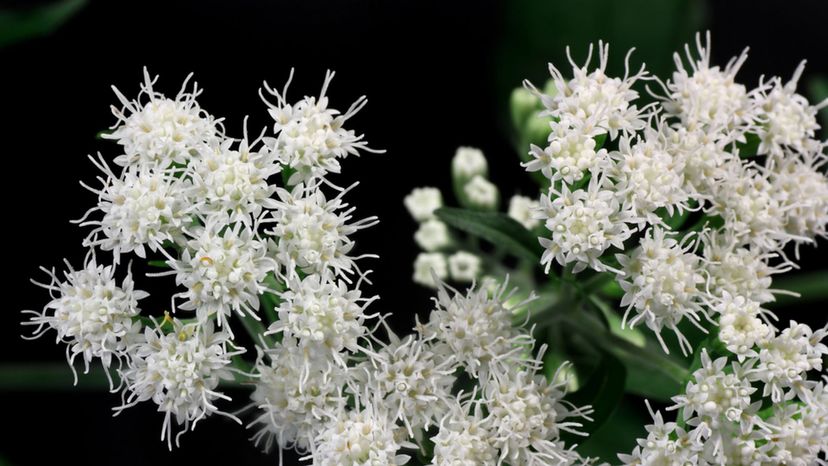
(91,313)
(223,269)
(179,371)
(295,404)
(312,232)
(584,223)
(323,315)
(662,284)
(310,137)
(157,131)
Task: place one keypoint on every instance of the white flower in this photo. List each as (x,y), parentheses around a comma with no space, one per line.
(234,182)
(666,444)
(469,162)
(649,177)
(522,209)
(422,202)
(157,131)
(91,314)
(223,268)
(322,314)
(527,415)
(801,188)
(716,396)
(706,96)
(571,153)
(740,324)
(432,235)
(464,266)
(180,372)
(595,97)
(313,233)
(295,404)
(414,382)
(787,120)
(662,282)
(737,270)
(750,208)
(310,138)
(477,330)
(481,192)
(704,156)
(584,223)
(785,359)
(141,208)
(360,437)
(428,263)
(793,441)
(464,438)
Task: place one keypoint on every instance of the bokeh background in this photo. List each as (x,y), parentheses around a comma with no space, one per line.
(437,74)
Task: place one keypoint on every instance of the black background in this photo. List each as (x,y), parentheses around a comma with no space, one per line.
(433,72)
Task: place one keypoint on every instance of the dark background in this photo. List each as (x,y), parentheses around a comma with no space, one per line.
(437,74)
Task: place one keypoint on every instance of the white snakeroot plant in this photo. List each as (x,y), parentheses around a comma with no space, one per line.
(156,131)
(312,233)
(179,371)
(296,395)
(309,137)
(142,208)
(90,313)
(679,213)
(584,223)
(323,315)
(275,256)
(684,210)
(662,283)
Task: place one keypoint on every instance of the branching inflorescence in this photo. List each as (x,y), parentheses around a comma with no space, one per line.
(259,240)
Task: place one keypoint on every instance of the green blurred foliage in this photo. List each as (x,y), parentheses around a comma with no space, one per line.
(536,32)
(17,26)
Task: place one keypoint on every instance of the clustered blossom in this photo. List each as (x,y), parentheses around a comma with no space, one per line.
(761,410)
(689,201)
(691,205)
(91,313)
(277,260)
(206,208)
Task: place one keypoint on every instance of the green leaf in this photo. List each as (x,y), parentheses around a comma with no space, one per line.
(495,227)
(159,263)
(632,334)
(750,147)
(650,372)
(50,377)
(603,390)
(811,286)
(17,26)
(818,91)
(619,432)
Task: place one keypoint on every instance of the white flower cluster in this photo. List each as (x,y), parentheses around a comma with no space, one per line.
(405,391)
(761,410)
(689,201)
(207,208)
